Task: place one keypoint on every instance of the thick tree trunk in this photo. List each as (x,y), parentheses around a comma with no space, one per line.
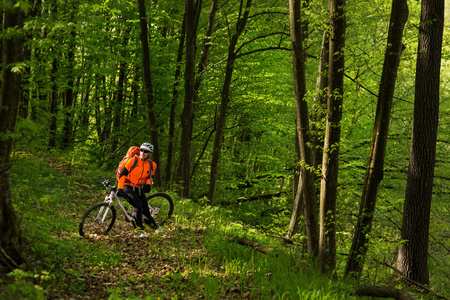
(192,15)
(330,160)
(413,255)
(302,123)
(375,165)
(149,87)
(10,233)
(240,26)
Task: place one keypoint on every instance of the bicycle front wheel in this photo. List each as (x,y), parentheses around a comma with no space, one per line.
(98,220)
(161,207)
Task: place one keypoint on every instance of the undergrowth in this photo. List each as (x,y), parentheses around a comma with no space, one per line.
(193,259)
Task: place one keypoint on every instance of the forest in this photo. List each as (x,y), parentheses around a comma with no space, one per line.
(305,144)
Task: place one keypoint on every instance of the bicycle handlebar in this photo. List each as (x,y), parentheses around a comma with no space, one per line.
(105,182)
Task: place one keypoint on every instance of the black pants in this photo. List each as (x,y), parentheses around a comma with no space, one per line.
(136,197)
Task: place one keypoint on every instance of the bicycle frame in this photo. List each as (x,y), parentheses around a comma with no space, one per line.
(110,200)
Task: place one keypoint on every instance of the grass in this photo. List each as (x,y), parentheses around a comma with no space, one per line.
(192,260)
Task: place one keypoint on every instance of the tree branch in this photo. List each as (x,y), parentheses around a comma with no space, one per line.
(253,198)
(8,260)
(263,49)
(382,292)
(254,244)
(259,37)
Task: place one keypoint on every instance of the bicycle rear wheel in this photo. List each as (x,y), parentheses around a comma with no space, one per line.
(98,220)
(161,207)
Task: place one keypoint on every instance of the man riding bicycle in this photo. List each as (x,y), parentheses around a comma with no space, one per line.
(135,180)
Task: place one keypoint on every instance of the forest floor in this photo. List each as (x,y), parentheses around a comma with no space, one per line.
(138,267)
(142,268)
(168,265)
(118,265)
(191,259)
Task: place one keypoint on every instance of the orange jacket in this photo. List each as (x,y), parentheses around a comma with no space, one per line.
(138,175)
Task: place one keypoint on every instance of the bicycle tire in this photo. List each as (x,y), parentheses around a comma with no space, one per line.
(164,203)
(91,226)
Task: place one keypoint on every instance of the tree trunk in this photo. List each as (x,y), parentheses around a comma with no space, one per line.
(85,108)
(375,165)
(149,87)
(118,105)
(173,106)
(330,160)
(53,107)
(413,255)
(225,94)
(104,128)
(297,209)
(53,94)
(10,233)
(118,111)
(135,91)
(302,122)
(320,102)
(24,101)
(97,113)
(192,11)
(205,48)
(297,194)
(202,64)
(68,95)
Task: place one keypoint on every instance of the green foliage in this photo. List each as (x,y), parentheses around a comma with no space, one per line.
(258,153)
(23,286)
(30,136)
(194,258)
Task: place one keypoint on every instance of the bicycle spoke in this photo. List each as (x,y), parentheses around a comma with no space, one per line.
(98,220)
(161,207)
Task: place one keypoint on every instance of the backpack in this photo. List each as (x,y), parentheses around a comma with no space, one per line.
(132,152)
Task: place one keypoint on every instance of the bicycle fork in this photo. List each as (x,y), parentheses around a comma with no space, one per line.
(101,219)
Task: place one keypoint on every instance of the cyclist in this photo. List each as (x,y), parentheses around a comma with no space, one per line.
(135,180)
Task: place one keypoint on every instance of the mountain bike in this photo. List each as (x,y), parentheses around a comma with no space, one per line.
(100,218)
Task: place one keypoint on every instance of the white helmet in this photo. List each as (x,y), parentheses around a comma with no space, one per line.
(147,146)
